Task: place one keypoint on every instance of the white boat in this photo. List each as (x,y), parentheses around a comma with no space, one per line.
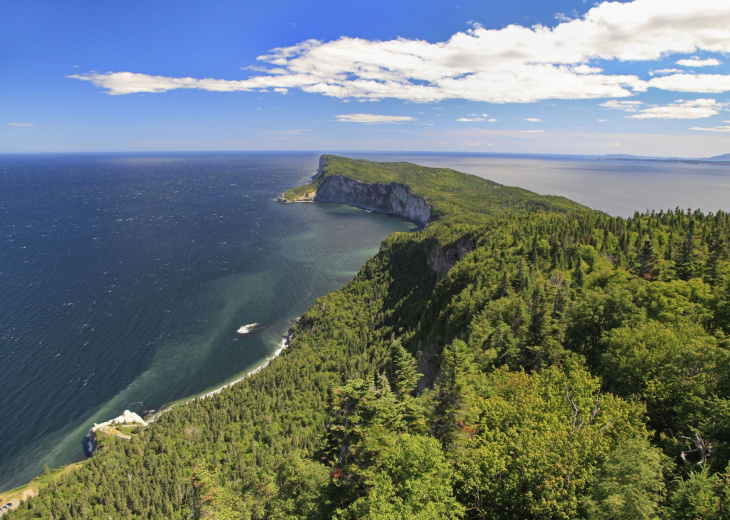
(246,328)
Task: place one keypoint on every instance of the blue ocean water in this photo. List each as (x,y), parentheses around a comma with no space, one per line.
(124,277)
(123,280)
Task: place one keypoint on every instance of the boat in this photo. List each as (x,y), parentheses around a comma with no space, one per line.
(246,329)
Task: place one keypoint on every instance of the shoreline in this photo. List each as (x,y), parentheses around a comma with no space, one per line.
(185,400)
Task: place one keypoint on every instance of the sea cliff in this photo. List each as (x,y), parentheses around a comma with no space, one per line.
(391,199)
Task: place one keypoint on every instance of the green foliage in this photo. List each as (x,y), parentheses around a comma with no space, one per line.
(629,484)
(674,369)
(409,479)
(702,495)
(538,439)
(405,374)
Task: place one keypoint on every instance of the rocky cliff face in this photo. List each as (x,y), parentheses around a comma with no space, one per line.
(391,199)
(442,260)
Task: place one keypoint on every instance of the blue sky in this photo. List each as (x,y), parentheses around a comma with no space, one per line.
(647,77)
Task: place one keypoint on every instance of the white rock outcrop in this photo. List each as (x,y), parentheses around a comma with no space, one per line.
(126,418)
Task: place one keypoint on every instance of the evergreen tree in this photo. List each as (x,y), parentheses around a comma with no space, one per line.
(646,260)
(578,277)
(405,374)
(686,260)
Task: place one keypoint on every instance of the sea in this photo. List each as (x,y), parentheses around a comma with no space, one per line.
(131,281)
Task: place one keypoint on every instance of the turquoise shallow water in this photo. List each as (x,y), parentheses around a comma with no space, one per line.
(123,280)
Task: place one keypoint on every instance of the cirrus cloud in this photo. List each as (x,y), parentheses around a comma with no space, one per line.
(722,128)
(512,64)
(680,109)
(373,118)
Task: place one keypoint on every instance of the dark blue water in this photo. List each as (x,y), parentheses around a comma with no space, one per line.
(123,280)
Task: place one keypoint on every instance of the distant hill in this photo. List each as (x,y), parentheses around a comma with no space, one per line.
(628,157)
(722,159)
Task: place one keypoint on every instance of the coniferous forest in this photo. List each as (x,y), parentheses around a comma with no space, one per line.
(520,357)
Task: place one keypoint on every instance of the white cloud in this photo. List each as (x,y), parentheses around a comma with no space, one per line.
(696,109)
(372,118)
(21,124)
(532,131)
(680,109)
(712,128)
(533,120)
(628,106)
(474,117)
(664,71)
(700,83)
(696,62)
(511,64)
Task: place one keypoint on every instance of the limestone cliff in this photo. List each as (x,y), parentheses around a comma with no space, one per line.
(392,199)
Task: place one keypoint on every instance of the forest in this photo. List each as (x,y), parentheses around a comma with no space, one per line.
(520,357)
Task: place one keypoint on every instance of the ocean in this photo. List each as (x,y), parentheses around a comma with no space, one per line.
(124,277)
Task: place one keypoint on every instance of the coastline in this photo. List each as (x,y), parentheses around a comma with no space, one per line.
(277,352)
(284,344)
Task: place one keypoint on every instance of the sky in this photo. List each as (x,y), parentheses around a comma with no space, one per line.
(643,77)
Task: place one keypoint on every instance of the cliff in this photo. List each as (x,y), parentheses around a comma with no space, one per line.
(392,199)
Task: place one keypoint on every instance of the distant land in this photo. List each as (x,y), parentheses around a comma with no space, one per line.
(717,159)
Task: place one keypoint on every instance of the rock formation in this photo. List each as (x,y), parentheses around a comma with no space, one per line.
(392,199)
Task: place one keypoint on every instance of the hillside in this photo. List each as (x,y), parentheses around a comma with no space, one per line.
(519,357)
